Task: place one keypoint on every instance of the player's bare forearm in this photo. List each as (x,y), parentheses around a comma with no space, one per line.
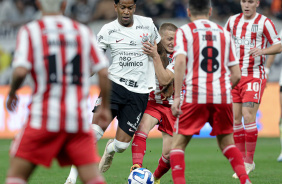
(235,75)
(179,68)
(105,86)
(19,75)
(160,62)
(273,49)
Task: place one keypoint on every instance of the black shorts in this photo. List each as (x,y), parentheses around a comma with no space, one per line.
(127,106)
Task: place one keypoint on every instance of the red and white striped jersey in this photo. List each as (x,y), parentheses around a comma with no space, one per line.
(154,96)
(61,54)
(247,34)
(209,51)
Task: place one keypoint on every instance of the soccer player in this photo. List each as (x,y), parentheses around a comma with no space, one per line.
(268,64)
(158,108)
(251,32)
(132,75)
(60,54)
(205,56)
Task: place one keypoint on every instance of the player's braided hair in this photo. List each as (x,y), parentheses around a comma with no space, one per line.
(199,7)
(117,1)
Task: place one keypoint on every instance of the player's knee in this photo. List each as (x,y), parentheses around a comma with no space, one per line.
(98,131)
(120,146)
(248,118)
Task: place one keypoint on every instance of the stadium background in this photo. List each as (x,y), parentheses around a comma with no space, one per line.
(95,13)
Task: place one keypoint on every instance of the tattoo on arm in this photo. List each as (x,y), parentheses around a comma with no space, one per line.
(249,104)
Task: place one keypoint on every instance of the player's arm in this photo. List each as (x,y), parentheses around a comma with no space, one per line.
(268,64)
(179,70)
(21,65)
(235,75)
(164,76)
(273,49)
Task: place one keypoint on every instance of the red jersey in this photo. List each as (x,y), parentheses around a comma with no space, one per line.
(247,34)
(210,50)
(61,54)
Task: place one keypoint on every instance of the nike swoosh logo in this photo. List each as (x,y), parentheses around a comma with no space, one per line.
(119,40)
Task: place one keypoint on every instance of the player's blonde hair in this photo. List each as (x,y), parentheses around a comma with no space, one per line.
(51,6)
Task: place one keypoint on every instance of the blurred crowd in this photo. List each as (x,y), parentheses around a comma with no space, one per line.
(14,13)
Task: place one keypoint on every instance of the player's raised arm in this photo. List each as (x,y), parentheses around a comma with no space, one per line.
(164,75)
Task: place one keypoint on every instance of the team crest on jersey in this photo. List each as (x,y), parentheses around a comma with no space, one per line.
(145,37)
(254,28)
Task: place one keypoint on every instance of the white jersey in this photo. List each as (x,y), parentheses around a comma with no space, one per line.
(61,54)
(255,33)
(154,96)
(131,68)
(210,50)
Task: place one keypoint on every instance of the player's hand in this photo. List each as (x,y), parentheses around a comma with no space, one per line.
(175,108)
(149,49)
(166,92)
(103,114)
(256,52)
(12,102)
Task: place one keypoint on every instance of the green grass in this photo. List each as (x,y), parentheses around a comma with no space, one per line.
(205,164)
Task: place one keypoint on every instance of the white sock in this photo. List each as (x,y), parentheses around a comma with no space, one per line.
(73,173)
(111,147)
(98,131)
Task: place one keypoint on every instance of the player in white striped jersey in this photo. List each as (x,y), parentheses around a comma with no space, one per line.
(131,72)
(204,57)
(251,32)
(158,108)
(60,54)
(268,64)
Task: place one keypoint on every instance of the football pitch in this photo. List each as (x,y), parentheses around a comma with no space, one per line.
(205,164)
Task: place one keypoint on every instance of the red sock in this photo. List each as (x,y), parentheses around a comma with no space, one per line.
(163,167)
(251,141)
(239,138)
(15,180)
(236,160)
(138,147)
(177,163)
(98,180)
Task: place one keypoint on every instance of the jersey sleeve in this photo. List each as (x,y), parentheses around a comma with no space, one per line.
(227,25)
(180,43)
(103,38)
(97,57)
(270,32)
(24,51)
(155,34)
(232,60)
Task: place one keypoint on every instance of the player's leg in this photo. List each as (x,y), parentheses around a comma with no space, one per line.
(249,111)
(232,153)
(90,174)
(164,161)
(99,129)
(279,159)
(177,160)
(239,131)
(138,146)
(119,145)
(19,171)
(129,116)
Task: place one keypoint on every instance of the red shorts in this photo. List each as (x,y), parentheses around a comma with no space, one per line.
(40,147)
(195,116)
(249,89)
(163,114)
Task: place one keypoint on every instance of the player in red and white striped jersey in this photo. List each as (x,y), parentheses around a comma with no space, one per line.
(205,56)
(158,107)
(60,54)
(251,32)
